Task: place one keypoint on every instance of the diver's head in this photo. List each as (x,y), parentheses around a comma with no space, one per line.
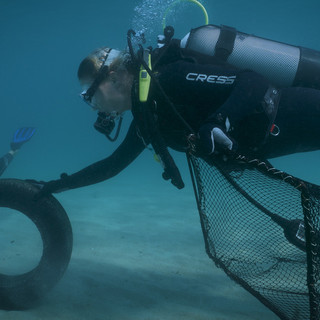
(105,80)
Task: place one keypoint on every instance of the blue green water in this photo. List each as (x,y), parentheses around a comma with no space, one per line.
(42,44)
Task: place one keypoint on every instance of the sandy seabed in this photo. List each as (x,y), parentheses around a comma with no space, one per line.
(140,257)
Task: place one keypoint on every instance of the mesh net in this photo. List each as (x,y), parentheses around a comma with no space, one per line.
(261,226)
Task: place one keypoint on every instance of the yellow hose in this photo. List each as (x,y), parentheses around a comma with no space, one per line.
(193,1)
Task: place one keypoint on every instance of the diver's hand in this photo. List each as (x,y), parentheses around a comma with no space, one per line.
(53,186)
(213,138)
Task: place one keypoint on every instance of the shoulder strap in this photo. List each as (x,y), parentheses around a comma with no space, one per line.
(211,41)
(225,43)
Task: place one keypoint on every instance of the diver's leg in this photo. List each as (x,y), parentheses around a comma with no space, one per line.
(4,161)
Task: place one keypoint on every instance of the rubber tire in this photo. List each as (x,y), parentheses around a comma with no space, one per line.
(19,292)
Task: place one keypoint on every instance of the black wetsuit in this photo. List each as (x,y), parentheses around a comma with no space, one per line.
(201,91)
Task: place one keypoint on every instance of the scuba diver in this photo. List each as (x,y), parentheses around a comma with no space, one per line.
(191,104)
(21,136)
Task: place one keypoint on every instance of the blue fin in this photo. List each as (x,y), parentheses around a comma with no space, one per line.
(23,134)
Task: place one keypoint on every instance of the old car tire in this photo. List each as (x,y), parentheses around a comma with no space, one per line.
(24,290)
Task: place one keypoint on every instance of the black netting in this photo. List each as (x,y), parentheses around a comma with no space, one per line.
(262,227)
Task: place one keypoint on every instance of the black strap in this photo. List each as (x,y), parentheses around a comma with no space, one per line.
(225,44)
(150,132)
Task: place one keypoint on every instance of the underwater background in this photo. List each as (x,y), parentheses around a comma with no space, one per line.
(138,248)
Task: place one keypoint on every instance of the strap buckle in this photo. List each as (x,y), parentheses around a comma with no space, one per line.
(274,130)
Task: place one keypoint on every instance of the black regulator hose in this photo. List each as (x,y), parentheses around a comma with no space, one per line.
(148,125)
(131,33)
(171,171)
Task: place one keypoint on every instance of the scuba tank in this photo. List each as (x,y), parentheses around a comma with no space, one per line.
(282,64)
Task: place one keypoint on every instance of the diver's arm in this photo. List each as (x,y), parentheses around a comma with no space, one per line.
(102,170)
(5,161)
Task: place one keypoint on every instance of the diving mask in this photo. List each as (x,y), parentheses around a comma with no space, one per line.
(105,59)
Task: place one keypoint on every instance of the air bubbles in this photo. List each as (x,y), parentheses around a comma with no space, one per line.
(148,17)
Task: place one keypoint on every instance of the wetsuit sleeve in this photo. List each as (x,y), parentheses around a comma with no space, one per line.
(4,162)
(102,170)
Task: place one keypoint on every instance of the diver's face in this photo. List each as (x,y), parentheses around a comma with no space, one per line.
(112,95)
(109,97)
